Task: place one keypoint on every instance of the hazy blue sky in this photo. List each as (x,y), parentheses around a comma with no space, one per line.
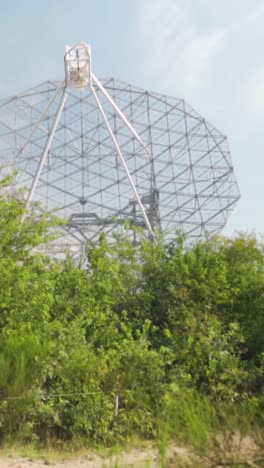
(208,51)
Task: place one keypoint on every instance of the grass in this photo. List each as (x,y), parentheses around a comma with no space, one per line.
(233,450)
(59,452)
(190,427)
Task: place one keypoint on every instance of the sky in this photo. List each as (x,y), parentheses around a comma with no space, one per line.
(209,52)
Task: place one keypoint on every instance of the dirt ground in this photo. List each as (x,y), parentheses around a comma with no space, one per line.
(134,458)
(137,458)
(240,451)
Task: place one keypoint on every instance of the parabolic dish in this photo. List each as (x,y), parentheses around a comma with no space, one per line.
(184,174)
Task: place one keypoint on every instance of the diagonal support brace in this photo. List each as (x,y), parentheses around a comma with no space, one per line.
(45,151)
(42,116)
(121,157)
(120,113)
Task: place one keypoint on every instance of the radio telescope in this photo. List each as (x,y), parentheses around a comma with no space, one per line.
(105,155)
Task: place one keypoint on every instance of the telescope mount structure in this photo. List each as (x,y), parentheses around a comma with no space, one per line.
(107,156)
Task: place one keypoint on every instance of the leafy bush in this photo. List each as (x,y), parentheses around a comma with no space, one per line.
(175,332)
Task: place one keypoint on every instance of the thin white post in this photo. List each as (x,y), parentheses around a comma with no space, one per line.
(116,405)
(152,235)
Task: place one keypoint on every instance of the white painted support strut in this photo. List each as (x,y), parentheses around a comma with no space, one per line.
(120,113)
(45,151)
(42,116)
(151,233)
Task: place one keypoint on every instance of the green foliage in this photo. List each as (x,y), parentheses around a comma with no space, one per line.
(187,416)
(175,332)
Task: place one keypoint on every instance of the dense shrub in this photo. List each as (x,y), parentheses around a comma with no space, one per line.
(174,332)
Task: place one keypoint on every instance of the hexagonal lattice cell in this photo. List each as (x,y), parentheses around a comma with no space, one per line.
(185,179)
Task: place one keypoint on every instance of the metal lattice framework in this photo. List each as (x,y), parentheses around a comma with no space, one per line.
(67,142)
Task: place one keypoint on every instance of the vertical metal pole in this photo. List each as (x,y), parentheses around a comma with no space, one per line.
(151,233)
(45,151)
(120,113)
(116,405)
